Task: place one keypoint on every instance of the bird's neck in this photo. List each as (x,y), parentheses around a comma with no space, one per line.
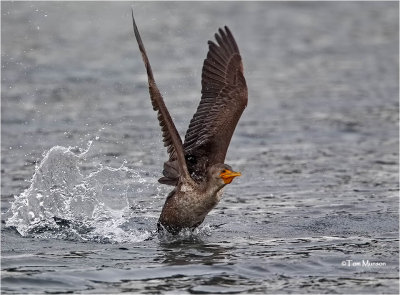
(211,187)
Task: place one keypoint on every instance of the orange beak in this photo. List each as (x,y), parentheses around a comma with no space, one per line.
(228,176)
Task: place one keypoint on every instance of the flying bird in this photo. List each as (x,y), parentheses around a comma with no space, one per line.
(196,168)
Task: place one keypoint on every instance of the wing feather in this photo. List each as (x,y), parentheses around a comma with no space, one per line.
(176,166)
(224,97)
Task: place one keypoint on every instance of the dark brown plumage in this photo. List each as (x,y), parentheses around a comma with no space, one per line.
(196,168)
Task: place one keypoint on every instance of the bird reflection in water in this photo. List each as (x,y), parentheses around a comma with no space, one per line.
(193,250)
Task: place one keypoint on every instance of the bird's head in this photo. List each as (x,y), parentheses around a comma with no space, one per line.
(222,174)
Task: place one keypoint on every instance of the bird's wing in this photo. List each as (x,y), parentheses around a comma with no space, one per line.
(224,97)
(170,135)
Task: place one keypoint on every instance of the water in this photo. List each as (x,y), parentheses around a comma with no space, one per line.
(317,147)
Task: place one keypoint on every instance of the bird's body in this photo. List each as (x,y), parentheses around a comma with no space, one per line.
(196,168)
(189,203)
(187,206)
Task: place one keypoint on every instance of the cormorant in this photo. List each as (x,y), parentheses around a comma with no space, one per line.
(196,168)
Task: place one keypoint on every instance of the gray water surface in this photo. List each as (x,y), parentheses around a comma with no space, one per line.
(317,147)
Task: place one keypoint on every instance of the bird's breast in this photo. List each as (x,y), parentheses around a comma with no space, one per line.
(188,206)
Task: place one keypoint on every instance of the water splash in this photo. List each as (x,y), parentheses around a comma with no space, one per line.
(62,202)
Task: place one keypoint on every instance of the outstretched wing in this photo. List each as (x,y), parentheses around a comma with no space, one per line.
(170,135)
(223,100)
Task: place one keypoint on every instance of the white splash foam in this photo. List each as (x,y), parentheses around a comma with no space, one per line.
(61,202)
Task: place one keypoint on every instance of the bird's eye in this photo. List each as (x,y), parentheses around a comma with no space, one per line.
(223,171)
